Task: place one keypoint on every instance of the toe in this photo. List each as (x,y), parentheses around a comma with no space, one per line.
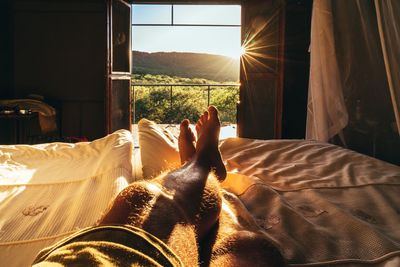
(190,134)
(213,112)
(184,127)
(204,117)
(185,124)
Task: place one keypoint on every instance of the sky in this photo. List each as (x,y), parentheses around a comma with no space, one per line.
(199,39)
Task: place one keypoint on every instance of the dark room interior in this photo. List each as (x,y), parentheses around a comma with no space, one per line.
(315,161)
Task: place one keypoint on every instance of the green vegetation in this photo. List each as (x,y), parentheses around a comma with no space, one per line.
(158,104)
(191,65)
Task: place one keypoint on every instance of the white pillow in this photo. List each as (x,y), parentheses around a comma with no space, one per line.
(49,191)
(158,149)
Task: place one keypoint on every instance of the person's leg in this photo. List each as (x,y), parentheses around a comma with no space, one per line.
(179,207)
(236,240)
(208,128)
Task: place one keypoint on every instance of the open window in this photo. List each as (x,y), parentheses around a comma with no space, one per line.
(261,68)
(184,58)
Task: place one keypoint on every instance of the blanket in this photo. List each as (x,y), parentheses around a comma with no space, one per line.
(319,203)
(51,190)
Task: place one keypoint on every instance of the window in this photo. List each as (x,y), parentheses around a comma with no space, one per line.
(185,57)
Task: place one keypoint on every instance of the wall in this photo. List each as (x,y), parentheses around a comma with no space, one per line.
(6,65)
(6,54)
(60,54)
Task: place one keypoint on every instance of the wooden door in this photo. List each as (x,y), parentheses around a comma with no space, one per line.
(118,91)
(261,74)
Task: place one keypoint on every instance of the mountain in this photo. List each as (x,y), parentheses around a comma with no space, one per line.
(190,65)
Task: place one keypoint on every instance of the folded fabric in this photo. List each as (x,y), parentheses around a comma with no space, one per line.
(47,114)
(159,146)
(111,245)
(158,149)
(49,191)
(319,203)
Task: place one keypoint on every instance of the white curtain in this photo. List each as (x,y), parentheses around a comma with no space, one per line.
(327,114)
(388,16)
(354,68)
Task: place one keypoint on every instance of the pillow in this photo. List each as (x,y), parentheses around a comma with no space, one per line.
(49,191)
(159,146)
(158,149)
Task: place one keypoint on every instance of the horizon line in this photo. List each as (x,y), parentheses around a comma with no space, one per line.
(186,52)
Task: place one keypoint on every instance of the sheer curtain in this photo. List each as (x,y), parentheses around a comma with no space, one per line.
(354,84)
(388,16)
(327,113)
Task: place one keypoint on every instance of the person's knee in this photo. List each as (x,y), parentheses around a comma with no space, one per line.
(133,204)
(246,248)
(129,205)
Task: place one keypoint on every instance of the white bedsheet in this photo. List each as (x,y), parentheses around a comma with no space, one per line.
(49,191)
(319,203)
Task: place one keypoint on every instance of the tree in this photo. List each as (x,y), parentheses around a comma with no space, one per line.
(155,102)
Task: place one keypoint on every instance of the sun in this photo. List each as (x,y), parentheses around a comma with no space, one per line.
(242,51)
(238,52)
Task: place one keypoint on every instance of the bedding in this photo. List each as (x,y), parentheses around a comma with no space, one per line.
(319,203)
(111,245)
(159,148)
(49,191)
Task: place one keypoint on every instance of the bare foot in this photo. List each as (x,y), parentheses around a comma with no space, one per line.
(186,142)
(208,128)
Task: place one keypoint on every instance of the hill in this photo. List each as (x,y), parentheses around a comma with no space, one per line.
(190,65)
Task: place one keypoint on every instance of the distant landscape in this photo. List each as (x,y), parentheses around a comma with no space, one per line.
(154,102)
(189,65)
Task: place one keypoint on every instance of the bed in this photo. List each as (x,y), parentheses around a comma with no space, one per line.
(319,203)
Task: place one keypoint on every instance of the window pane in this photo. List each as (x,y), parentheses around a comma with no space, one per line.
(151,14)
(207,14)
(212,40)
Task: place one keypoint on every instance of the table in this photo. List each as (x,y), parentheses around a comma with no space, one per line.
(18,119)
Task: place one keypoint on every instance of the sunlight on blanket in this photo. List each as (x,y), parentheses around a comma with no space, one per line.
(10,194)
(16,176)
(120,183)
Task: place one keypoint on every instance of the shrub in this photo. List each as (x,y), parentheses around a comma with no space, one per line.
(154,102)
